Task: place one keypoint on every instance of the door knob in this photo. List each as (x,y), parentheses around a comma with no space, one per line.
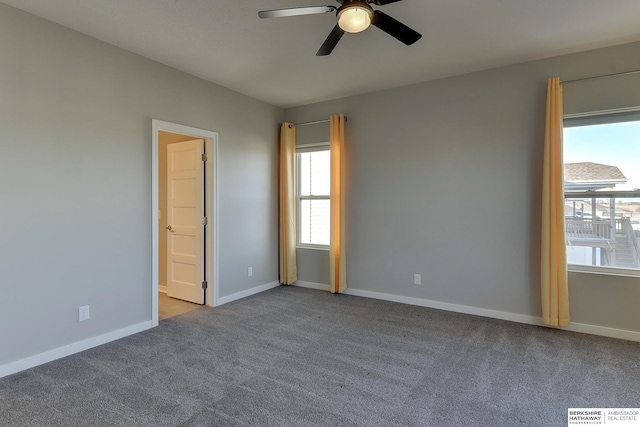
(169,228)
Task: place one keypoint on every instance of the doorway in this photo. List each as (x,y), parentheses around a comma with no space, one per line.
(203,270)
(170,307)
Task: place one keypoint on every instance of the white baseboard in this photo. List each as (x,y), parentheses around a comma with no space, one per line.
(495,314)
(248,292)
(68,350)
(312,285)
(162,288)
(603,331)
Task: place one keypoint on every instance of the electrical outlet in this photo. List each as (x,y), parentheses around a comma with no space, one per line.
(417,279)
(250,271)
(83,313)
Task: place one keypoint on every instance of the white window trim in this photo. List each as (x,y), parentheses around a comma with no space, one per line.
(594,269)
(608,271)
(314,247)
(306,148)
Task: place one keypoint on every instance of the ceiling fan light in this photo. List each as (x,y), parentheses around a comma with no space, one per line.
(354,19)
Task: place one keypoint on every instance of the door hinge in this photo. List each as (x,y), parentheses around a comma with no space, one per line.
(204,221)
(204,285)
(204,157)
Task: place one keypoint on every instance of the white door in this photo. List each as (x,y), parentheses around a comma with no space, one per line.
(185,221)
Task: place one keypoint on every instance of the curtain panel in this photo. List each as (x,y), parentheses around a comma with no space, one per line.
(337,247)
(555,287)
(287,205)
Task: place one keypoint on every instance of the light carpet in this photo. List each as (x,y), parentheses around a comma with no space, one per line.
(299,357)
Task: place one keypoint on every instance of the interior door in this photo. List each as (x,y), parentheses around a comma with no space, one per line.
(185,221)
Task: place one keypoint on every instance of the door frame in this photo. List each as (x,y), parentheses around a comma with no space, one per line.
(211,208)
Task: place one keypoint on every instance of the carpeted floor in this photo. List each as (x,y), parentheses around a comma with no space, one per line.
(299,357)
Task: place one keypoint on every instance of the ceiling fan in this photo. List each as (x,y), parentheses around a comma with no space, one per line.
(354,16)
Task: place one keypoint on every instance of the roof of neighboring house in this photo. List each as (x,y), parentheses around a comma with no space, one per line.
(588,172)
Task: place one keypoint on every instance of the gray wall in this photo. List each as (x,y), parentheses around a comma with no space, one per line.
(444,179)
(75,182)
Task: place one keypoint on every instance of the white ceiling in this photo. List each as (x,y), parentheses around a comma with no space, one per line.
(274,60)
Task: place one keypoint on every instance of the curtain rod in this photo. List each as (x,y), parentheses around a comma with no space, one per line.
(315,122)
(604,76)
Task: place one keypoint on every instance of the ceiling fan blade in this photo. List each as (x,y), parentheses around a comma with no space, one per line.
(295,11)
(395,28)
(383,2)
(331,41)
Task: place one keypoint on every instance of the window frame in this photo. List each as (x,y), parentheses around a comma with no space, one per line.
(594,119)
(307,148)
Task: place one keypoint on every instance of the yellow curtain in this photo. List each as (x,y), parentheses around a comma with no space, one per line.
(287,204)
(337,248)
(555,287)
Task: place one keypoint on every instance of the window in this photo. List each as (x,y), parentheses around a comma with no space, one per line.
(602,192)
(313,195)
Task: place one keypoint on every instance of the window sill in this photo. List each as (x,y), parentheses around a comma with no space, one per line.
(605,271)
(315,247)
